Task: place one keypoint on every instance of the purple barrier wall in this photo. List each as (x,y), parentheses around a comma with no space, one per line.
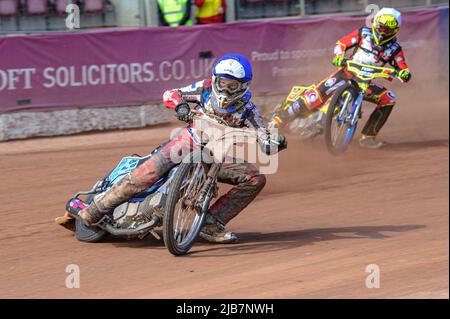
(135,66)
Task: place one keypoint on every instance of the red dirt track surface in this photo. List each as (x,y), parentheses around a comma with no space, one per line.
(311,233)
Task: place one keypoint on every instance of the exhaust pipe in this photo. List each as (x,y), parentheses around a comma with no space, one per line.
(142,229)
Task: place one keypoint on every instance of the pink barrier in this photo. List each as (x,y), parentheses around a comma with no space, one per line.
(135,66)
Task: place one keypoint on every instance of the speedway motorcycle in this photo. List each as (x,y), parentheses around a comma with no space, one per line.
(179,201)
(337,118)
(345,107)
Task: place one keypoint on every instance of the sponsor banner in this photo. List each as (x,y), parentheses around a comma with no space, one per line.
(135,66)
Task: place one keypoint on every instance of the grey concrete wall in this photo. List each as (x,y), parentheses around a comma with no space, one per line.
(23,125)
(28,124)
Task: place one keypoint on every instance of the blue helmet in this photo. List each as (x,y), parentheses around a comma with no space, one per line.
(232,75)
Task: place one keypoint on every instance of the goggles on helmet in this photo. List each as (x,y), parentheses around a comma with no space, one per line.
(230,86)
(385,30)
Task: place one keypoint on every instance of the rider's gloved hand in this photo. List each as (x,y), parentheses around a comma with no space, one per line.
(281,141)
(337,60)
(184,112)
(405,75)
(272,143)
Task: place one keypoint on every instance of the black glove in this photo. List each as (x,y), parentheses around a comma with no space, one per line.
(281,141)
(271,144)
(184,112)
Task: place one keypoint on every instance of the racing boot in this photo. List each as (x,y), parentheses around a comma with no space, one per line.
(289,111)
(373,126)
(370,142)
(104,203)
(215,232)
(66,221)
(73,207)
(275,122)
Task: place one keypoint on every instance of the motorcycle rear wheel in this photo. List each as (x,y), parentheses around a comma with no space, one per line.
(88,234)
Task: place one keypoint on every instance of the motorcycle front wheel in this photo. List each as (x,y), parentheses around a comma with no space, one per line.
(338,129)
(182,219)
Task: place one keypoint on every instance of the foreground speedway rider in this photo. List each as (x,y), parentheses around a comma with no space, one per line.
(376,46)
(227,95)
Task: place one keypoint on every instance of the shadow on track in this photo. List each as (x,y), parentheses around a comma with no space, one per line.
(253,243)
(417,144)
(257,242)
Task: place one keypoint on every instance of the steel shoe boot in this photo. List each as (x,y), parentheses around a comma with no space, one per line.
(214,232)
(370,142)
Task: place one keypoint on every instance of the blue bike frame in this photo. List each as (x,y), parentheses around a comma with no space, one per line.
(352,117)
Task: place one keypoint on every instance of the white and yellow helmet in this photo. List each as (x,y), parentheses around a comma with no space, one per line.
(386,25)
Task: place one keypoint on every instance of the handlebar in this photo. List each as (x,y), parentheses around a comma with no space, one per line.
(233,132)
(368,72)
(199,114)
(218,122)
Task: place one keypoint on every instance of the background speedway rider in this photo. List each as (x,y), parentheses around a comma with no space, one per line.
(376,46)
(227,95)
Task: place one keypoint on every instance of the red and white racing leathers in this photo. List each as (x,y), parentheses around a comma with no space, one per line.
(245,176)
(368,52)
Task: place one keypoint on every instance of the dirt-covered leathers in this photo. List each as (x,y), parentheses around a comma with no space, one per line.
(367,51)
(245,176)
